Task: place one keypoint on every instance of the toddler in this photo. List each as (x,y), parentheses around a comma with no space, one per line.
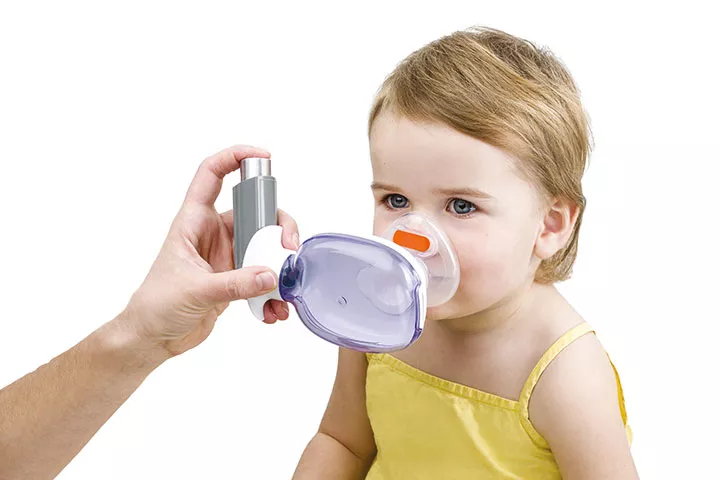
(486,134)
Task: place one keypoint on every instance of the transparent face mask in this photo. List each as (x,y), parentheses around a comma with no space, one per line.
(426,241)
(369,293)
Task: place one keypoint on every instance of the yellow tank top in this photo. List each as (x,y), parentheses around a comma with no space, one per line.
(426,427)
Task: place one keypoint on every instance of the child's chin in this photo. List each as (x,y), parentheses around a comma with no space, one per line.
(445,311)
(437,313)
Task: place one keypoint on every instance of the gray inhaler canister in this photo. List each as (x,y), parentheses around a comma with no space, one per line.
(254,203)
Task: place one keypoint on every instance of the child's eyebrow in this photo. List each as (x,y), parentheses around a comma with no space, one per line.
(383,186)
(470,192)
(466,192)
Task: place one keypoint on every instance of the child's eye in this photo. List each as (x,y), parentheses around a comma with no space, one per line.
(461,207)
(396,201)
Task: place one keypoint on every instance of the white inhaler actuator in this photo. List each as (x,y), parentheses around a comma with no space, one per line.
(366,293)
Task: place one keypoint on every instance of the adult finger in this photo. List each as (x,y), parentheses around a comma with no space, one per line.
(236,284)
(269,315)
(229,221)
(207,183)
(282,312)
(290,235)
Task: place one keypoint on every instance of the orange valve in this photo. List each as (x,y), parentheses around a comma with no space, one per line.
(411,240)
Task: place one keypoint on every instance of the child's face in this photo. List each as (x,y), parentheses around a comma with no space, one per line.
(472,191)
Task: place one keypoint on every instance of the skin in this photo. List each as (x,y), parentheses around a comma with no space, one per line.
(48,416)
(493,331)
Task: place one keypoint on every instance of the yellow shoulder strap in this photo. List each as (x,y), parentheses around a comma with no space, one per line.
(563,342)
(621,395)
(560,344)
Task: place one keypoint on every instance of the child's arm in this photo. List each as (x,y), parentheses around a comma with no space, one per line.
(344,446)
(575,408)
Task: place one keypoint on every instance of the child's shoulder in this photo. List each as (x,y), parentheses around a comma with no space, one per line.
(567,351)
(553,345)
(565,346)
(574,386)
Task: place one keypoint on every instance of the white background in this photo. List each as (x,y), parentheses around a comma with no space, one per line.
(107,109)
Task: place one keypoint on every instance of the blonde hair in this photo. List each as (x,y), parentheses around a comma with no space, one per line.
(504,91)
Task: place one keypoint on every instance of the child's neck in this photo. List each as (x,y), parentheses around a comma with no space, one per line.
(507,315)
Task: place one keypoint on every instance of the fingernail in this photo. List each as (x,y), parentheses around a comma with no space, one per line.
(266,281)
(296,240)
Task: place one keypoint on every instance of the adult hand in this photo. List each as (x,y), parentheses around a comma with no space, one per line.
(193,279)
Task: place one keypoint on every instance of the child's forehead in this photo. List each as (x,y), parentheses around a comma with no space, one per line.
(432,155)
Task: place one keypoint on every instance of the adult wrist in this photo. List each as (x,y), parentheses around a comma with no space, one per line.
(122,346)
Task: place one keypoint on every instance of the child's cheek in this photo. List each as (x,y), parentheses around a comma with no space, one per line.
(486,271)
(381,220)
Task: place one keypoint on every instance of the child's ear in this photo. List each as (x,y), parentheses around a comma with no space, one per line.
(556,228)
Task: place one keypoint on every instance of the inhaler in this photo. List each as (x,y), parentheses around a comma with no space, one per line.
(366,293)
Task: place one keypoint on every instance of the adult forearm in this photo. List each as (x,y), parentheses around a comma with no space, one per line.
(47,416)
(325,457)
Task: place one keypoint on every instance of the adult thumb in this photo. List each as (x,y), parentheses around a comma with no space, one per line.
(238,284)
